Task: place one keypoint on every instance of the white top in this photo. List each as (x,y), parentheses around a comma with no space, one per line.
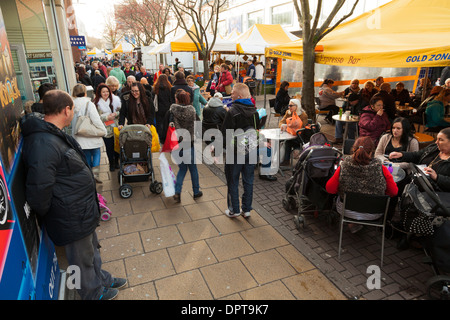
(79,109)
(103,106)
(259,74)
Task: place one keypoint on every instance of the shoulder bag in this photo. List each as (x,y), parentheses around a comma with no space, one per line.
(85,127)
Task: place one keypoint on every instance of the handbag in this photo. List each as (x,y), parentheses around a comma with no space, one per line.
(155,139)
(171,142)
(168,177)
(85,127)
(294,124)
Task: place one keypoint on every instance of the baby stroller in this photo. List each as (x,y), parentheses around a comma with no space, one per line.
(425,215)
(136,159)
(305,190)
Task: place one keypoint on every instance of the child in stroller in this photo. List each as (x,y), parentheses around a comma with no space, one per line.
(305,190)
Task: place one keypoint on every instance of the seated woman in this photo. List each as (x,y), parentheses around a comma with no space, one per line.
(282,98)
(327,97)
(435,110)
(367,93)
(374,121)
(361,173)
(400,139)
(436,158)
(294,108)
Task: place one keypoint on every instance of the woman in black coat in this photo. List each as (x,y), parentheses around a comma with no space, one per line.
(162,89)
(138,108)
(282,99)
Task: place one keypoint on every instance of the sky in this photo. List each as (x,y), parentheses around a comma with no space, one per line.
(91,15)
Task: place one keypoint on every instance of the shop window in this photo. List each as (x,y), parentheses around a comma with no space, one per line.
(283,14)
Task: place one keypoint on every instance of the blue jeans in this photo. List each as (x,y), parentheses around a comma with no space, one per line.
(232,173)
(182,169)
(92,157)
(339,130)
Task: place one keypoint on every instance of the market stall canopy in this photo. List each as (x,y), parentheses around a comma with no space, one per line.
(232,35)
(260,36)
(184,43)
(93,52)
(123,48)
(399,34)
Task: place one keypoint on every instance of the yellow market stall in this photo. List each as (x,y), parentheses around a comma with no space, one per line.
(399,34)
(123,48)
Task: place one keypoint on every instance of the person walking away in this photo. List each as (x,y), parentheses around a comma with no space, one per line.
(198,98)
(108,106)
(183,116)
(161,90)
(118,73)
(242,115)
(90,145)
(180,83)
(61,189)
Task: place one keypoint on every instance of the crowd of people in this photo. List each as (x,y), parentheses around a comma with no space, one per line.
(128,94)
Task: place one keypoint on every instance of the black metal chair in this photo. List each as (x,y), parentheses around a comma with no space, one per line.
(369,204)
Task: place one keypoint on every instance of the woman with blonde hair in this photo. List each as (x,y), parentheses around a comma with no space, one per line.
(90,145)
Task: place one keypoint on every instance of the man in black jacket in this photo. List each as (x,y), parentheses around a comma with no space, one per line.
(242,115)
(60,188)
(180,83)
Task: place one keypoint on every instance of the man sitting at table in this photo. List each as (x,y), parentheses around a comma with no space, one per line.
(354,104)
(388,99)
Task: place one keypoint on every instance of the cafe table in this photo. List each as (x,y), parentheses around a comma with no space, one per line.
(276,135)
(346,119)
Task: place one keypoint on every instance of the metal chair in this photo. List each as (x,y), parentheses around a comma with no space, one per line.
(370,204)
(272,110)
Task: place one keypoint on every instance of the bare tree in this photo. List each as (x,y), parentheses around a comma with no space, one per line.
(204,15)
(312,34)
(112,33)
(133,19)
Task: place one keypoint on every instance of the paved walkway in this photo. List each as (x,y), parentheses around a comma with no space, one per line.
(191,250)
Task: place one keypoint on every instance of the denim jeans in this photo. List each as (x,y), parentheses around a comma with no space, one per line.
(339,130)
(182,169)
(232,173)
(92,157)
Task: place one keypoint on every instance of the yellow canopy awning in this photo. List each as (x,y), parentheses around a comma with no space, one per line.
(399,34)
(123,48)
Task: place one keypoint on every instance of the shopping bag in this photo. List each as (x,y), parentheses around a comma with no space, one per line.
(171,142)
(155,139)
(85,127)
(168,177)
(294,124)
(116,140)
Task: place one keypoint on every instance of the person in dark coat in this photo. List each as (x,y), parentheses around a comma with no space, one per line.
(401,94)
(162,89)
(138,107)
(388,99)
(282,99)
(213,115)
(180,83)
(83,77)
(60,189)
(43,88)
(97,79)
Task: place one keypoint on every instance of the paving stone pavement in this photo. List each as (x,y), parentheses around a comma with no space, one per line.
(192,251)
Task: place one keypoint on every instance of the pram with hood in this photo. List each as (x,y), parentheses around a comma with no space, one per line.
(425,215)
(136,159)
(305,190)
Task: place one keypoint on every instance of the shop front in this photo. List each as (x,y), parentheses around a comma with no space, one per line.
(34,49)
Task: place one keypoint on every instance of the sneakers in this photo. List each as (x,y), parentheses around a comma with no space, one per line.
(246,215)
(230,214)
(119,283)
(109,294)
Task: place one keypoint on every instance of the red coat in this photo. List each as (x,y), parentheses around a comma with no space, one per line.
(225,79)
(372,125)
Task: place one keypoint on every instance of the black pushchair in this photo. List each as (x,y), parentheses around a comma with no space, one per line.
(425,216)
(305,190)
(136,159)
